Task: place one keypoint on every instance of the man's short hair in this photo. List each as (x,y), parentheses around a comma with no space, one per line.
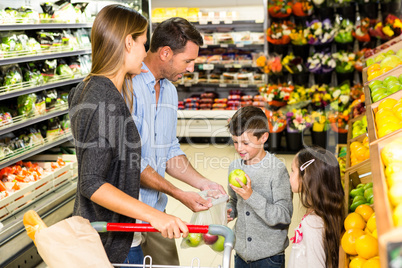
(175,33)
(249,118)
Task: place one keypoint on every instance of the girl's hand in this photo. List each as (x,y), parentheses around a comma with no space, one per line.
(169,226)
(245,191)
(228,215)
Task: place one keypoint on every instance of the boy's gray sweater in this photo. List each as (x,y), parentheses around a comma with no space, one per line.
(262,220)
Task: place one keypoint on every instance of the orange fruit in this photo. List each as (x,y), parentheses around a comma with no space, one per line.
(348,240)
(387,128)
(367,246)
(371,223)
(365,211)
(354,221)
(387,103)
(373,68)
(372,263)
(357,262)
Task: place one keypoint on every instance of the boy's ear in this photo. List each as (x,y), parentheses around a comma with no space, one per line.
(264,137)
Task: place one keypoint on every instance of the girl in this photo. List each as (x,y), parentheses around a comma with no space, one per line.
(106,139)
(316,177)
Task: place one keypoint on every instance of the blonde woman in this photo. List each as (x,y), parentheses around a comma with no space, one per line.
(107,142)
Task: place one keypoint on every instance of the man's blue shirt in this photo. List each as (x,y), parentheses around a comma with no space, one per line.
(156,123)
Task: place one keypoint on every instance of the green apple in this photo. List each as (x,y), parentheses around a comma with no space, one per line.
(219,245)
(390,79)
(374,83)
(377,90)
(193,239)
(379,57)
(394,88)
(399,53)
(364,121)
(390,61)
(370,61)
(379,96)
(237,173)
(390,52)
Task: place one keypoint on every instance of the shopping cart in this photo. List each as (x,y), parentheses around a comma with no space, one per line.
(212,229)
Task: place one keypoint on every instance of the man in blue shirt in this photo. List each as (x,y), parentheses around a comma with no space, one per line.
(174,47)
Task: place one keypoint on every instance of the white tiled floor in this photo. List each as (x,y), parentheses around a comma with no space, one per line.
(213,161)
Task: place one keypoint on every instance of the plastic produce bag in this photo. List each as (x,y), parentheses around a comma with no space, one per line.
(72,242)
(215,215)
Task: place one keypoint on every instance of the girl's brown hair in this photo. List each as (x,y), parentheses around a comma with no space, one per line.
(321,191)
(111,26)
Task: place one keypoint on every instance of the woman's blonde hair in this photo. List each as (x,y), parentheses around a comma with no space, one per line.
(111,26)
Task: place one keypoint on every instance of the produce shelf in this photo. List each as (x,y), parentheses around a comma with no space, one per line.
(43,56)
(240,25)
(348,162)
(38,26)
(222,85)
(26,89)
(21,121)
(212,65)
(256,46)
(39,147)
(350,128)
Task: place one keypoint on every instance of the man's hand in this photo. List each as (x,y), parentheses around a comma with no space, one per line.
(194,201)
(245,191)
(210,185)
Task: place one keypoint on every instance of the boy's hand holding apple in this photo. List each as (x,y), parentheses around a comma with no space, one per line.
(244,190)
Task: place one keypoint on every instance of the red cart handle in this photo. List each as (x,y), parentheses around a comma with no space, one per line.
(140,227)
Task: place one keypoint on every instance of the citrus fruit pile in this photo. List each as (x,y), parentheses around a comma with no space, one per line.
(388,117)
(381,89)
(359,151)
(360,238)
(391,156)
(384,63)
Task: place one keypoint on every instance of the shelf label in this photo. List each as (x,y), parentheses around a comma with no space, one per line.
(208,66)
(228,65)
(243,85)
(203,21)
(216,21)
(222,85)
(187,84)
(224,45)
(228,21)
(240,45)
(237,66)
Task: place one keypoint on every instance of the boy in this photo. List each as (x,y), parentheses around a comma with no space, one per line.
(263,206)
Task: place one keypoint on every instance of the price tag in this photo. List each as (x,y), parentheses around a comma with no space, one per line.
(240,45)
(224,45)
(243,85)
(237,66)
(207,66)
(203,21)
(187,84)
(228,65)
(222,85)
(216,21)
(228,21)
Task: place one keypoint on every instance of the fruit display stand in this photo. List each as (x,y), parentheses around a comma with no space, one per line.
(350,128)
(371,123)
(361,174)
(382,204)
(367,92)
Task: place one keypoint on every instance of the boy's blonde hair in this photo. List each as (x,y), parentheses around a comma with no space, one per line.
(249,118)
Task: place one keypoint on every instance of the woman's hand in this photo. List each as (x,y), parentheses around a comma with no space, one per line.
(245,191)
(228,215)
(169,226)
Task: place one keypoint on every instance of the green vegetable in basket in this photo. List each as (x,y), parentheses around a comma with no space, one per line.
(26,104)
(65,70)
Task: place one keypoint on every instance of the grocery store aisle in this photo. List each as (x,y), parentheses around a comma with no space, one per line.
(213,161)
